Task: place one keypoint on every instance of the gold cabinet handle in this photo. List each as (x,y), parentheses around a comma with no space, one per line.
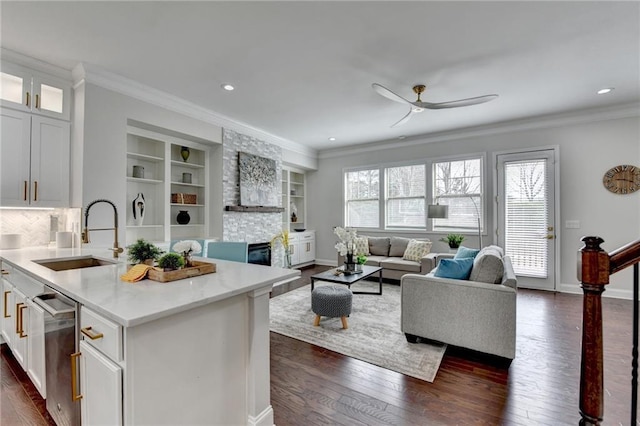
(28,99)
(88,331)
(6,308)
(21,316)
(75,396)
(37,101)
(18,319)
(35,197)
(25,191)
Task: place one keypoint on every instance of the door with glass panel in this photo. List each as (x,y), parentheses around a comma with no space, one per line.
(526,216)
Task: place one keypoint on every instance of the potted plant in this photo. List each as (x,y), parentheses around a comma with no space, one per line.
(453,240)
(171,262)
(361,259)
(143,252)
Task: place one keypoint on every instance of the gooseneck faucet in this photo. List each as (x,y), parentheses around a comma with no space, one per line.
(85,233)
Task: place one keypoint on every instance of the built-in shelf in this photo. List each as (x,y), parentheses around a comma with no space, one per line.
(195,185)
(188,165)
(145,157)
(188,225)
(187,205)
(141,180)
(144,226)
(254,209)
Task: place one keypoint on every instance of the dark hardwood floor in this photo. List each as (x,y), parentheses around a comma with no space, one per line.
(314,386)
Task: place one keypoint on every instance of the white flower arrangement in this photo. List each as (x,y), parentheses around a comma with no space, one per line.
(347,238)
(187,247)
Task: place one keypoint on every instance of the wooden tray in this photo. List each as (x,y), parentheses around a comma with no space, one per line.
(198,268)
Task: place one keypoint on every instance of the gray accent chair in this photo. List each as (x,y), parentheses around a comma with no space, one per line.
(469,314)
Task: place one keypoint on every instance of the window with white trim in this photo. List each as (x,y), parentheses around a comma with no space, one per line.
(362,198)
(459,184)
(405,196)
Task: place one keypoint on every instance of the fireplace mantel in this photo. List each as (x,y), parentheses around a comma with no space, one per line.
(254,209)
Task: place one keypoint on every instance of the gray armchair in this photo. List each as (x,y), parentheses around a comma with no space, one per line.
(470,314)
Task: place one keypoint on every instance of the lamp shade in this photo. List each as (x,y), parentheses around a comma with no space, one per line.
(436,211)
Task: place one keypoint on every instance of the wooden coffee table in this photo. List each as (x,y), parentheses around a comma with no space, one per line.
(333,276)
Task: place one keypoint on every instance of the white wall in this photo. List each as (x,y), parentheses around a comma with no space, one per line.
(587,151)
(99,149)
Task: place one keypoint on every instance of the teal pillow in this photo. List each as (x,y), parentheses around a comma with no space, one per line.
(457,269)
(464,252)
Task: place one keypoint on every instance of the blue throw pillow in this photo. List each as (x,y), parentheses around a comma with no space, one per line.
(464,252)
(457,269)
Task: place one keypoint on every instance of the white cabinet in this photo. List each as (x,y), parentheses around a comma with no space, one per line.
(8,314)
(302,246)
(32,91)
(101,387)
(19,338)
(171,179)
(34,160)
(35,347)
(23,324)
(293,199)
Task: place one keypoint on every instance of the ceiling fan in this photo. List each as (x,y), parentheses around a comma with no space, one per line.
(420,106)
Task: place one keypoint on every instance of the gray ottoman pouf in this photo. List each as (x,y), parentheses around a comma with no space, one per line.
(331,301)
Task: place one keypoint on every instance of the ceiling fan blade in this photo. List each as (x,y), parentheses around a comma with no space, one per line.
(404,119)
(389,94)
(456,104)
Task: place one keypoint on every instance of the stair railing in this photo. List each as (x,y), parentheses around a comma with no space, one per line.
(594,268)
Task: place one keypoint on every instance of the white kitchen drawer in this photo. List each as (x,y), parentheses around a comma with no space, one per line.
(93,324)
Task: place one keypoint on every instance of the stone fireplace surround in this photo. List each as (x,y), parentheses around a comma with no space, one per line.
(252,227)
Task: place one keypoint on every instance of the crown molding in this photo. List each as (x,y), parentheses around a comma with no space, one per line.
(35,64)
(540,122)
(88,73)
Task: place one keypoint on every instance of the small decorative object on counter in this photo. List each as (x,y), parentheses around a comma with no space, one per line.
(187,248)
(138,205)
(186,178)
(171,262)
(138,172)
(183,217)
(184,152)
(143,251)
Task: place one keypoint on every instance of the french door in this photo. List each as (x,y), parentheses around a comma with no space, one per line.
(526,216)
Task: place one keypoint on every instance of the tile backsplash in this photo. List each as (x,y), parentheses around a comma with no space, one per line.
(37,227)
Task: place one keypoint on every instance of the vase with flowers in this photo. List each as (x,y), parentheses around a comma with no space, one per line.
(283,238)
(347,246)
(186,248)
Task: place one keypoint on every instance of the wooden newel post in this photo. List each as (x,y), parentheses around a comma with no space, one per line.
(593,272)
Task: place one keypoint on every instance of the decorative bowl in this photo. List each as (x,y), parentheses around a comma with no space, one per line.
(300,229)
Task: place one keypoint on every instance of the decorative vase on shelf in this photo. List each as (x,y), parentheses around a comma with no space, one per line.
(183,217)
(184,152)
(138,205)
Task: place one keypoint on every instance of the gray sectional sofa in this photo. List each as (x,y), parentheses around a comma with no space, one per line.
(388,252)
(478,314)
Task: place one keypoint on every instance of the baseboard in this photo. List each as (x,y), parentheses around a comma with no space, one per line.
(612,293)
(325,262)
(265,418)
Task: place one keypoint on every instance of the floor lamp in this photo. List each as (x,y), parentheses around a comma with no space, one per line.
(479,228)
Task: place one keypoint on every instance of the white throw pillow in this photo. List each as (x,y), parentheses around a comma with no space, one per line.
(416,250)
(361,245)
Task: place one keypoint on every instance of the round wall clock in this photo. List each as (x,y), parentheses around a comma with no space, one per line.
(623,179)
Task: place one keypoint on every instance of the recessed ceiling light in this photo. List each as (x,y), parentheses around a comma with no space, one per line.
(332,139)
(605,91)
(227,86)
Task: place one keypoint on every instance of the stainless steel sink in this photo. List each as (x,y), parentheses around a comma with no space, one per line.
(64,264)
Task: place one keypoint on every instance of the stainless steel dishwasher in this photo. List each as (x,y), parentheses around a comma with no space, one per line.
(61,341)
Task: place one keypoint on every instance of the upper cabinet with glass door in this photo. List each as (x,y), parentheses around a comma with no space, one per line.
(28,90)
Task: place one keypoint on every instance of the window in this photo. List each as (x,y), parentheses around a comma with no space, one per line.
(405,197)
(362,197)
(458,184)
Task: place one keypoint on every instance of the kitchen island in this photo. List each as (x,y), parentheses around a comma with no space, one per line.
(193,351)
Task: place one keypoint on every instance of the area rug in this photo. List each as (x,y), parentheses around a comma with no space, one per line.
(373,335)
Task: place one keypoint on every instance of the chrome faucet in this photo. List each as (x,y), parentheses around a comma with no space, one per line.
(85,233)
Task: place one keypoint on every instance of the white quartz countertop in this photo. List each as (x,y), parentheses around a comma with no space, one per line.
(101,289)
